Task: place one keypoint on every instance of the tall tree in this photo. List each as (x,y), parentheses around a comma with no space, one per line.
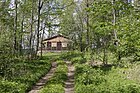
(31,32)
(40,4)
(15,25)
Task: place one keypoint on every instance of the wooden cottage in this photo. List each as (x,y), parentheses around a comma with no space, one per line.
(56,43)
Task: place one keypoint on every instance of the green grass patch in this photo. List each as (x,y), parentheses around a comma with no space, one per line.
(53,88)
(71,54)
(56,83)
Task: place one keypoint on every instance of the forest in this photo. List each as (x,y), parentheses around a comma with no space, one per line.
(104,56)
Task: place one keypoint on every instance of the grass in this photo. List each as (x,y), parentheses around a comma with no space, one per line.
(20,75)
(104,80)
(53,88)
(56,83)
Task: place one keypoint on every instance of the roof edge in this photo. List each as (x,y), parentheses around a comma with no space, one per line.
(55,37)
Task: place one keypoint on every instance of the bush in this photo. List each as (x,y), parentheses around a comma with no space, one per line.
(11,87)
(129,88)
(80,68)
(86,75)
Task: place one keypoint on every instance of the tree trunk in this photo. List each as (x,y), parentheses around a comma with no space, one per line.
(105,57)
(15,28)
(42,40)
(114,23)
(21,36)
(31,33)
(38,24)
(87,5)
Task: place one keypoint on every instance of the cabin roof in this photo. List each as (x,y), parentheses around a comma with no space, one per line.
(55,37)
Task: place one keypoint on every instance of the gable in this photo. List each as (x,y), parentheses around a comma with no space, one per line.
(59,39)
(56,39)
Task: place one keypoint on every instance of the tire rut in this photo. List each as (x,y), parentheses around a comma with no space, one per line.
(41,83)
(69,84)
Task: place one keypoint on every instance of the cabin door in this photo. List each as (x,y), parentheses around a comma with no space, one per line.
(59,45)
(49,45)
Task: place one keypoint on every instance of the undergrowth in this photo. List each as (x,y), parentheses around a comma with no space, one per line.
(20,75)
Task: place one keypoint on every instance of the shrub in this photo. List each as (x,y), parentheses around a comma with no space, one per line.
(12,87)
(129,88)
(86,75)
(80,68)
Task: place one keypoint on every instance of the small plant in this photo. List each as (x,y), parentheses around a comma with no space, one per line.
(60,62)
(78,60)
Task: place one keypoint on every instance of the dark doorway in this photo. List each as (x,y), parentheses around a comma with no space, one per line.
(49,45)
(59,45)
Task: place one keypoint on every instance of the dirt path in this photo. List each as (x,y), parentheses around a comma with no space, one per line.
(69,84)
(36,88)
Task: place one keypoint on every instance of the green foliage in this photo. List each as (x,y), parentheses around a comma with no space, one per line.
(53,88)
(78,60)
(87,75)
(128,38)
(103,80)
(71,54)
(107,89)
(25,73)
(60,62)
(80,88)
(130,88)
(11,87)
(74,20)
(74,57)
